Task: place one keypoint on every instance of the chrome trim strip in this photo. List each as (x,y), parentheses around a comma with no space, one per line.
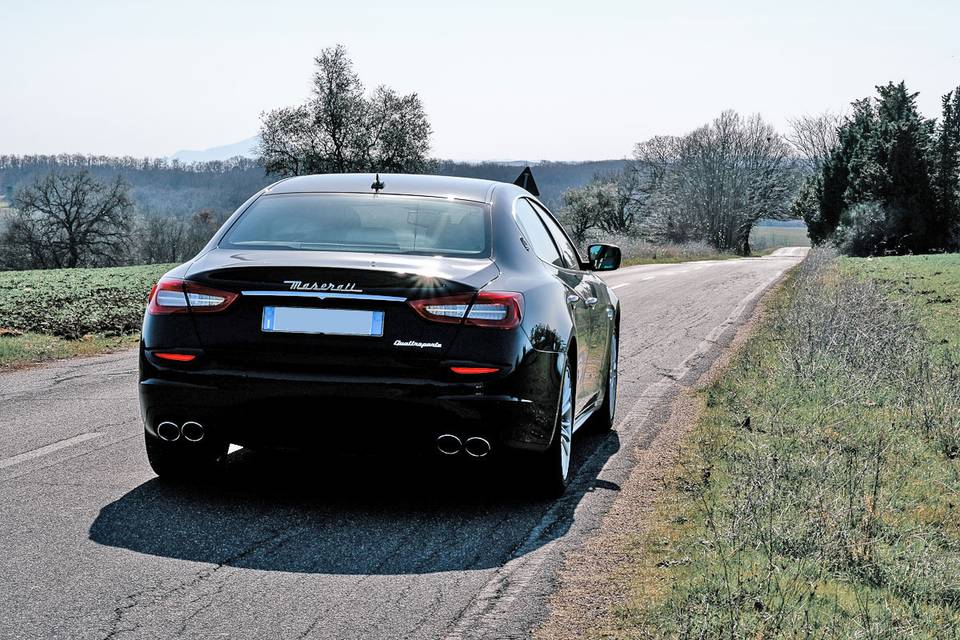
(321,295)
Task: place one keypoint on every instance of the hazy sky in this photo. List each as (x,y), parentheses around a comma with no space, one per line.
(500,80)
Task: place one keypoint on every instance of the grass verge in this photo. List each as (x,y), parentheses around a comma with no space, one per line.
(818,495)
(27,348)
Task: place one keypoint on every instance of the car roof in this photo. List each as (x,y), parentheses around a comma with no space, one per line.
(393,184)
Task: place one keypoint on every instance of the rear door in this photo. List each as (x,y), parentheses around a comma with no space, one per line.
(577,292)
(592,298)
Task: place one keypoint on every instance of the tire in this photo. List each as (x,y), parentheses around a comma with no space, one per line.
(175,462)
(602,419)
(552,468)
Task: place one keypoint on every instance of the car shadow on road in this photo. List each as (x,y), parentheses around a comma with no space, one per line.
(383,515)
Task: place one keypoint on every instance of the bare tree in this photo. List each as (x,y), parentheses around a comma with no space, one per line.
(71,220)
(814,137)
(159,239)
(583,207)
(716,182)
(621,216)
(174,238)
(341,130)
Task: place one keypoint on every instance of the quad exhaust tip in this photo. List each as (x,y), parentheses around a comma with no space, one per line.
(192,431)
(168,431)
(171,432)
(477,446)
(474,446)
(449,444)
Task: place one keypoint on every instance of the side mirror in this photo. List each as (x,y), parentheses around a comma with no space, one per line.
(604,257)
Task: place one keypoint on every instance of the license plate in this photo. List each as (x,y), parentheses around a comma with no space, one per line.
(334,322)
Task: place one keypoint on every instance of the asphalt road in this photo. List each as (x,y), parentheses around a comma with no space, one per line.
(319,546)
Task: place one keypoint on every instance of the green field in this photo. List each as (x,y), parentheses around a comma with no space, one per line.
(766,238)
(62,312)
(818,495)
(931,284)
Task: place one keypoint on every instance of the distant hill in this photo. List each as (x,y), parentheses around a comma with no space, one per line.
(162,186)
(244,148)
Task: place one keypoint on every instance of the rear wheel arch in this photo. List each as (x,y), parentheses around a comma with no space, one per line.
(569,359)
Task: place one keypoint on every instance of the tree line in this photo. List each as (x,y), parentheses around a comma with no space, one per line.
(76,210)
(156,185)
(66,220)
(880,180)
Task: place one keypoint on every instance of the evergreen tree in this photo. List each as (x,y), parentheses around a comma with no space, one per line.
(835,191)
(905,188)
(807,206)
(946,176)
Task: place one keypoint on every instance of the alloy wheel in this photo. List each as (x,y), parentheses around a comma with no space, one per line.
(566,423)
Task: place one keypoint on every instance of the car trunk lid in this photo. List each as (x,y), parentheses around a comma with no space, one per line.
(304,280)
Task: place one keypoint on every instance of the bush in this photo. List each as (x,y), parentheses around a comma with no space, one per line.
(862,230)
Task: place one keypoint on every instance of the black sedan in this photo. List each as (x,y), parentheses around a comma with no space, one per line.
(451,315)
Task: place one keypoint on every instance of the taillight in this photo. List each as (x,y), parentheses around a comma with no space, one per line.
(173,295)
(473,371)
(175,357)
(501,310)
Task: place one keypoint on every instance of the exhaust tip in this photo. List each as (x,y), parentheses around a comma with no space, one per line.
(168,431)
(477,446)
(192,431)
(449,444)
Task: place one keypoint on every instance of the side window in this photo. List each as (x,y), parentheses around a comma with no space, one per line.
(568,251)
(537,234)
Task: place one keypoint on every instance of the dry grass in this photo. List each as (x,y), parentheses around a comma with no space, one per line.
(819,494)
(19,350)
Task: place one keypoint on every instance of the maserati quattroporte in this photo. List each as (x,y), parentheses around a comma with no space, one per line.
(449,315)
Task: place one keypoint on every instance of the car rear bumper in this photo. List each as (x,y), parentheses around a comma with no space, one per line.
(286,410)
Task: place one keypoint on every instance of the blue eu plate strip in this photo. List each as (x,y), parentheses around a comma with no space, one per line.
(376,324)
(268,314)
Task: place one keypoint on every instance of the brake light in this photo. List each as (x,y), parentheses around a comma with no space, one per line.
(176,357)
(501,310)
(173,295)
(495,309)
(472,371)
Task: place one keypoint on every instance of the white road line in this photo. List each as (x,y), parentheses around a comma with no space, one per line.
(647,278)
(625,284)
(50,448)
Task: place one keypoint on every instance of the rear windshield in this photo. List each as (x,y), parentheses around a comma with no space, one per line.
(363,223)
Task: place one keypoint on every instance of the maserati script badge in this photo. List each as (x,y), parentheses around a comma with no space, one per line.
(343,287)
